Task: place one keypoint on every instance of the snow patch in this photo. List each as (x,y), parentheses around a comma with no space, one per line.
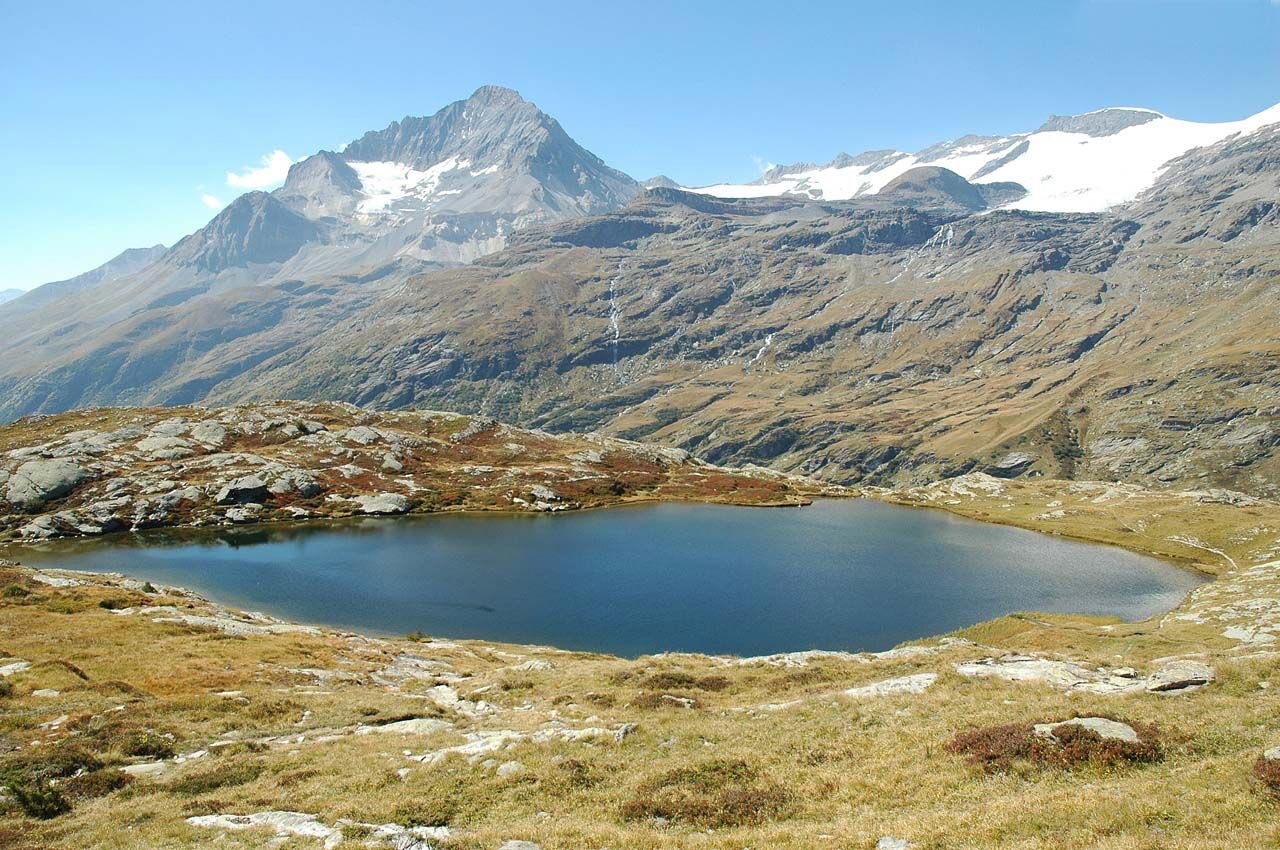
(385,183)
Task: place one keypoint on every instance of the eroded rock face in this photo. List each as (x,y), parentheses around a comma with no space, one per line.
(38,481)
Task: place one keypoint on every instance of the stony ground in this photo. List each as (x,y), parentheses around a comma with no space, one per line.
(115,469)
(162,720)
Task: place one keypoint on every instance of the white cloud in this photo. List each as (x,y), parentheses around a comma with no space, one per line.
(274,168)
(211,201)
(762,165)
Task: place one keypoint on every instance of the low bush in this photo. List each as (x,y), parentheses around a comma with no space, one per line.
(28,776)
(39,764)
(222,776)
(39,799)
(715,794)
(994,748)
(148,743)
(100,783)
(274,709)
(1267,771)
(294,777)
(673,679)
(1001,747)
(577,774)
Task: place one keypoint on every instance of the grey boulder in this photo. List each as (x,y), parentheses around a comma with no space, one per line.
(383,503)
(248,488)
(39,481)
(1101,726)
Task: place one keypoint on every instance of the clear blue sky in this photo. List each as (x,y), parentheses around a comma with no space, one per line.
(116,118)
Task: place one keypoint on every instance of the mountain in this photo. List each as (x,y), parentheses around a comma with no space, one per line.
(931,186)
(122,265)
(1078,163)
(448,188)
(422,193)
(888,339)
(661,181)
(921,330)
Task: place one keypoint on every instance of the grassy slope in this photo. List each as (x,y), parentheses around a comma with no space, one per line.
(849,770)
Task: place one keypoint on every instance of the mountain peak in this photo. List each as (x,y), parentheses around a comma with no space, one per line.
(1100,122)
(492,118)
(254,228)
(930,186)
(491,95)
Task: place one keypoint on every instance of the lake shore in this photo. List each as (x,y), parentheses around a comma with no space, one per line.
(839,574)
(574,749)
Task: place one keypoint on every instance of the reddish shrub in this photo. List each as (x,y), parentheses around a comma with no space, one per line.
(997,748)
(719,793)
(1267,771)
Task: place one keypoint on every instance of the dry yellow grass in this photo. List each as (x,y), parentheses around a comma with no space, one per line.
(848,771)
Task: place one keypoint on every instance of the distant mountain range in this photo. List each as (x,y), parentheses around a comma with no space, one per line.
(1077,163)
(123,264)
(889,317)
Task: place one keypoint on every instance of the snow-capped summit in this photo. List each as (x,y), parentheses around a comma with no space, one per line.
(1075,163)
(493,151)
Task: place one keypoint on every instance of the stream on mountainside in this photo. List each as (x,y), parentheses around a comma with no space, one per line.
(846,574)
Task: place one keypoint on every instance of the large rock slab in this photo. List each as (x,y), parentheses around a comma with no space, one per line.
(383,503)
(917,683)
(412,726)
(246,489)
(1180,675)
(39,481)
(1064,675)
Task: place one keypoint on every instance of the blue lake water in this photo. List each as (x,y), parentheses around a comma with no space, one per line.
(840,574)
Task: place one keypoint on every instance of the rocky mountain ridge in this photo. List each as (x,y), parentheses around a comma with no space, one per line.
(125,263)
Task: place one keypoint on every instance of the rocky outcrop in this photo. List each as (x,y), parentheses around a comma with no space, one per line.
(110,470)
